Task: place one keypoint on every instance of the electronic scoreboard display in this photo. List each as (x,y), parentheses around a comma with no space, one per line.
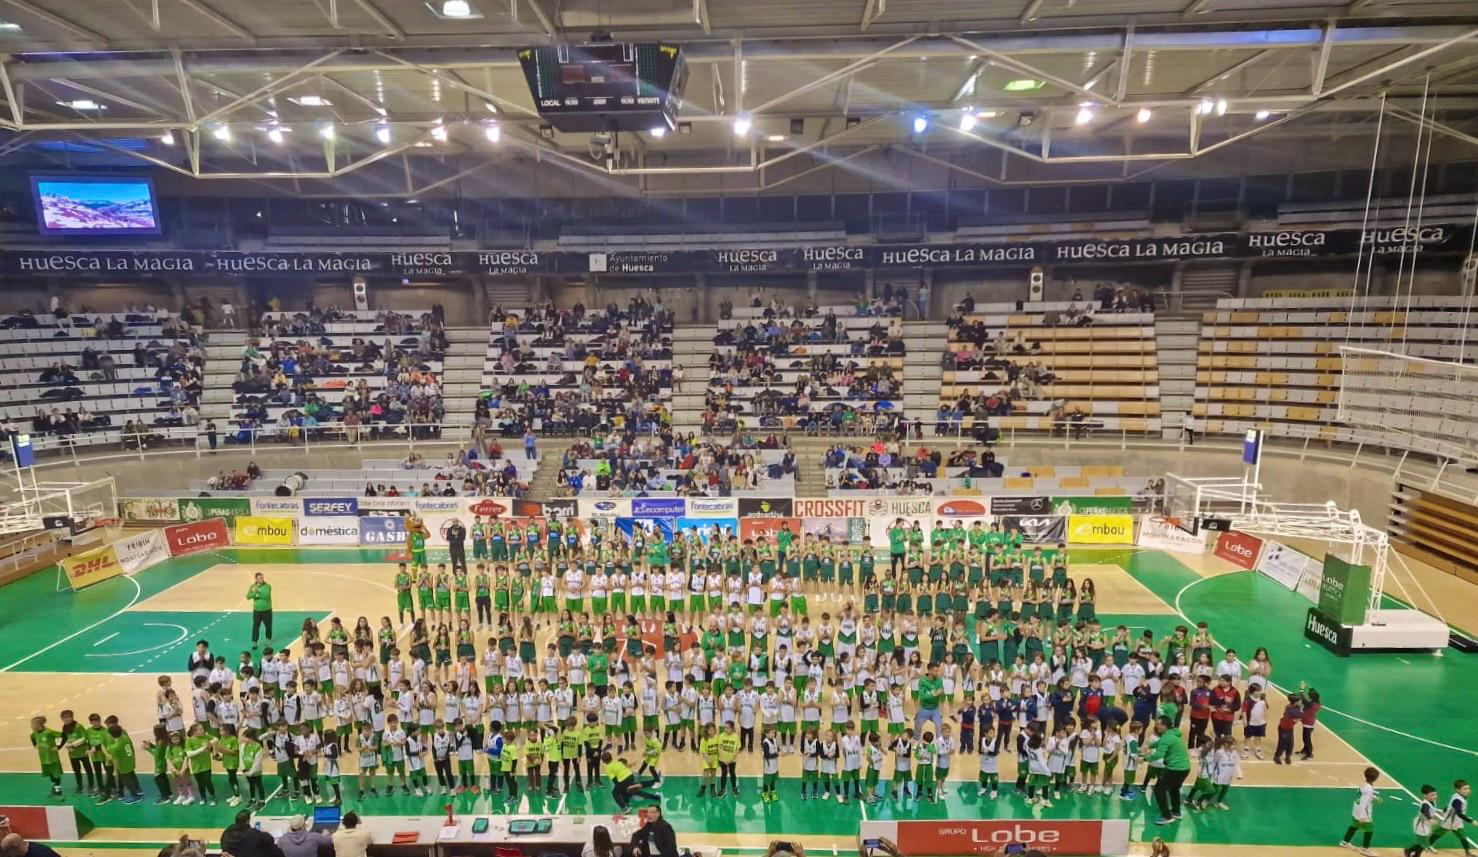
(606,87)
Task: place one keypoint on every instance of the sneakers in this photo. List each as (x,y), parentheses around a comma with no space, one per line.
(1366,852)
(992,794)
(1164,821)
(419,793)
(163,799)
(132,799)
(980,792)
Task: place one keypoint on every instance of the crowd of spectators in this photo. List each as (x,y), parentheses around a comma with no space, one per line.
(631,465)
(624,380)
(463,473)
(316,381)
(773,306)
(885,465)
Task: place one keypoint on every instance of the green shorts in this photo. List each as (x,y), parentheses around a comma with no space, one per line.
(1087,767)
(659,603)
(403,600)
(575,605)
(715,602)
(638,603)
(52,770)
(618,602)
(1362,825)
(418,557)
(695,603)
(598,604)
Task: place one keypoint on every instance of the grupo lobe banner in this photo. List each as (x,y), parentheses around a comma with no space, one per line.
(85,262)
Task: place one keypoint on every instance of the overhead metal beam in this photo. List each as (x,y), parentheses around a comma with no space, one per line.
(137,104)
(1031,11)
(1430,124)
(457,83)
(1321,59)
(182,81)
(871,12)
(17,117)
(55,20)
(1121,89)
(1406,60)
(219,20)
(386,26)
(845,71)
(354,94)
(1026,68)
(1229,71)
(269,88)
(1197,7)
(544,21)
(700,15)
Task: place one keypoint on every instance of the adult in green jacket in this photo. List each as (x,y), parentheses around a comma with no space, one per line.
(1170,755)
(260,596)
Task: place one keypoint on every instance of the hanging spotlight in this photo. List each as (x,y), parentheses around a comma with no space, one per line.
(920,124)
(1143,115)
(221,133)
(967,121)
(275,135)
(658,131)
(326,132)
(1204,107)
(167,138)
(1221,107)
(492,131)
(439,133)
(1085,115)
(1263,114)
(382,133)
(742,125)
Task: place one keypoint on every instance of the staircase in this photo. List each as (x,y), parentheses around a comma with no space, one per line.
(692,347)
(551,450)
(461,376)
(509,294)
(1176,335)
(925,342)
(222,358)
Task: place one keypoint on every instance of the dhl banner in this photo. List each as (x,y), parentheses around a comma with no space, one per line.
(1100,529)
(255,530)
(92,566)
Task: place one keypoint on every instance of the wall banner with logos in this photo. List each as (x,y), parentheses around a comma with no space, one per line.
(1038,505)
(255,530)
(1283,564)
(141,550)
(1037,529)
(1239,549)
(1100,529)
(713,507)
(328,530)
(988,837)
(90,567)
(149,510)
(199,536)
(1160,534)
(382,531)
(276,507)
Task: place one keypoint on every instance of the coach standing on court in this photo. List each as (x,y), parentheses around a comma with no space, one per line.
(456,545)
(1175,764)
(260,596)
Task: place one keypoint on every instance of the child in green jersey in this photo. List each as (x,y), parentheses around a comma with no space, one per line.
(47,742)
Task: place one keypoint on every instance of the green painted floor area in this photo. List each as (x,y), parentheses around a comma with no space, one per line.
(1423,703)
(1258,816)
(153,641)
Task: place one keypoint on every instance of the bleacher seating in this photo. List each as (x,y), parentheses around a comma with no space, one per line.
(92,377)
(966,472)
(627,466)
(1275,363)
(501,477)
(1061,361)
(831,368)
(563,372)
(327,366)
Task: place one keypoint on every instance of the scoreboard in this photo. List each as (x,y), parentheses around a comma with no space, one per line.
(606,87)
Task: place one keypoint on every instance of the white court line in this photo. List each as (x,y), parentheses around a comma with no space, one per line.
(105,639)
(1332,710)
(138,591)
(184,632)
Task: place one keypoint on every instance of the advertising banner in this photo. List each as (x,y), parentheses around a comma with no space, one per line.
(708,528)
(1344,591)
(713,507)
(489,507)
(382,530)
(200,508)
(199,536)
(1283,564)
(1239,549)
(830,507)
(1312,580)
(439,505)
(605,507)
(1160,534)
(276,507)
(961,508)
(1020,505)
(1328,633)
(990,837)
(330,507)
(653,527)
(766,507)
(138,552)
(341,530)
(94,566)
(564,508)
(1038,529)
(1108,504)
(658,507)
(254,530)
(149,510)
(1100,529)
(753,528)
(900,507)
(384,504)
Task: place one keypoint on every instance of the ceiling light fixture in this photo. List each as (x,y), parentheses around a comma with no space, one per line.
(776,138)
(658,131)
(1204,107)
(492,131)
(1085,115)
(167,138)
(1023,84)
(967,121)
(311,101)
(742,125)
(82,104)
(1263,114)
(275,135)
(9,27)
(439,132)
(456,9)
(1221,107)
(1144,115)
(382,134)
(326,132)
(222,133)
(920,124)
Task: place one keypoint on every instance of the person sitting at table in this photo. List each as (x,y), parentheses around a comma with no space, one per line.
(350,840)
(655,838)
(600,844)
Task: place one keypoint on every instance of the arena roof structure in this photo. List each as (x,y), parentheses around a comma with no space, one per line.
(1042,89)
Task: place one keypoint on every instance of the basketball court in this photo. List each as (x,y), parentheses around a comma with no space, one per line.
(100,650)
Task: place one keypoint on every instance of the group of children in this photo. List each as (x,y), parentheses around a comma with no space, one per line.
(599,650)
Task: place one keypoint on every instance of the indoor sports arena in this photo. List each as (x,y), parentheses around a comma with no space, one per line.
(697,428)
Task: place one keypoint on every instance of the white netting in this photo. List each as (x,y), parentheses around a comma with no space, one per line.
(1413,403)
